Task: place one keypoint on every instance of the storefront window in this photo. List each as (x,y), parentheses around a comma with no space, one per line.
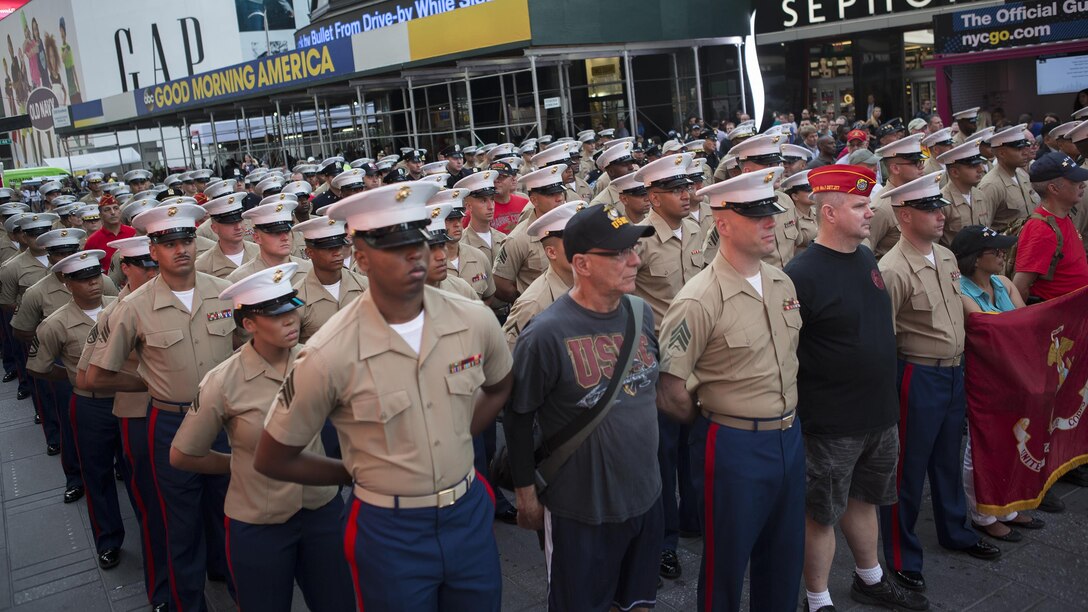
(603,77)
(830,60)
(917,49)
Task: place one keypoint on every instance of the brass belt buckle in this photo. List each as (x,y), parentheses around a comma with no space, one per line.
(447,497)
(788,421)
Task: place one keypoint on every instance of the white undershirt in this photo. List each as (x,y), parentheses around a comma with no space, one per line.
(456,263)
(756,282)
(237,257)
(43,259)
(679,233)
(486,238)
(412,331)
(186,298)
(929,258)
(694,213)
(967,197)
(333,289)
(93,313)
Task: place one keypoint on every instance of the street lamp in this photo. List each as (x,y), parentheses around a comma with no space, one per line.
(264,18)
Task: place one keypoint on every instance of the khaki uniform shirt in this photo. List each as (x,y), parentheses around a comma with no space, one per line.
(46,297)
(926,301)
(90,198)
(205,230)
(474,268)
(62,335)
(203,245)
(585,166)
(602,183)
(962,213)
(932,165)
(542,293)
(1080,218)
(667,264)
(320,304)
(457,286)
(126,405)
(8,249)
(705,221)
(175,347)
(115,273)
(215,262)
(809,226)
(521,258)
(472,239)
(581,191)
(883,227)
(18,275)
(402,417)
(787,234)
(609,195)
(258,263)
(236,396)
(736,350)
(298,245)
(1010,196)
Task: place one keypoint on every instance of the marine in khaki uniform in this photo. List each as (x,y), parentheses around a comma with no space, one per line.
(763,154)
(46,296)
(557,280)
(938,143)
(202,244)
(800,193)
(438,272)
(180,330)
(10,246)
(521,258)
(967,122)
(329,287)
(94,184)
(729,364)
(465,261)
(634,198)
(272,230)
(587,143)
(427,370)
(1007,187)
(130,409)
(903,160)
(923,282)
(615,161)
(278,533)
(672,256)
(231,250)
(967,204)
(699,210)
(23,270)
(61,338)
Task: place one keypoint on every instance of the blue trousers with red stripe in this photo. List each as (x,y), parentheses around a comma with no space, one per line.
(98,436)
(192,508)
(674,461)
(751,491)
(7,346)
(425,559)
(267,560)
(61,394)
(932,405)
(42,396)
(145,501)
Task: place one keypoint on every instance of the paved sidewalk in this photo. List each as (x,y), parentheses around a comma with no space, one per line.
(47,560)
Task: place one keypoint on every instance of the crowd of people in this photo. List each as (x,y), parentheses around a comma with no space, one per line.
(296,373)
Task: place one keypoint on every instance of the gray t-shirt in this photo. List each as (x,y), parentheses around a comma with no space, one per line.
(563,362)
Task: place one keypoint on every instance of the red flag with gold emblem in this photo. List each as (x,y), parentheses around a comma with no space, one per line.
(1027,389)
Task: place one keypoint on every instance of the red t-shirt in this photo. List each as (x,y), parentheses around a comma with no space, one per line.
(1035,249)
(506,215)
(101,238)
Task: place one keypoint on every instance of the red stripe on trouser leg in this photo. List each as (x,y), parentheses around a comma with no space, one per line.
(708,510)
(351,531)
(79,457)
(149,558)
(904,398)
(487,486)
(152,421)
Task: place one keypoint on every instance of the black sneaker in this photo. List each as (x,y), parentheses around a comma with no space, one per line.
(887,594)
(670,565)
(821,609)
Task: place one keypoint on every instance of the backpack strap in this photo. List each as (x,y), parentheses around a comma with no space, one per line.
(1056,258)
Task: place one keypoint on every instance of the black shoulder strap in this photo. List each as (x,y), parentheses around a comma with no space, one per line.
(558,448)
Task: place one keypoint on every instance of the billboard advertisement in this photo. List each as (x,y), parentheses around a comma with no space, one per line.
(1012,24)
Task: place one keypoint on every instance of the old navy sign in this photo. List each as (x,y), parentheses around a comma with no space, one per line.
(778,15)
(316,63)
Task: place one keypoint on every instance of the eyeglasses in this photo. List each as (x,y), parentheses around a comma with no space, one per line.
(994,252)
(625,253)
(917,164)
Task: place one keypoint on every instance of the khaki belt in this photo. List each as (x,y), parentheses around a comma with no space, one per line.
(936,363)
(442,499)
(749,424)
(89,395)
(166,406)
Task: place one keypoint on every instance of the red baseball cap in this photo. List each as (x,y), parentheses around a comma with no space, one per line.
(843,178)
(857,135)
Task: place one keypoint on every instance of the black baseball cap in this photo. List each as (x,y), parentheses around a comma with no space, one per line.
(1056,165)
(602,227)
(892,126)
(975,238)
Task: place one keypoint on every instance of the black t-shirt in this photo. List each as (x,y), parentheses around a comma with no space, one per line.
(563,362)
(847,355)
